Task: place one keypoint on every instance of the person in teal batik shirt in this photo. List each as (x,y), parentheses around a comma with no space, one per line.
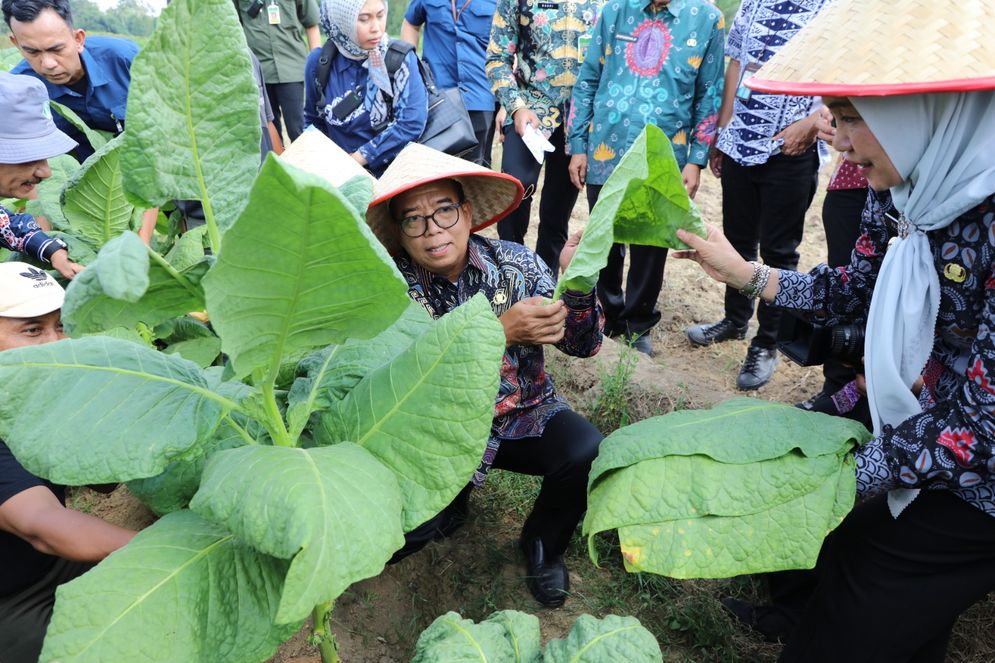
(658,62)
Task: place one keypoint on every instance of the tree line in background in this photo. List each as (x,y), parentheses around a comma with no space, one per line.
(135,17)
(130,17)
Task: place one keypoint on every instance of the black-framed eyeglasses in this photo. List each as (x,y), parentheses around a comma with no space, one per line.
(444,217)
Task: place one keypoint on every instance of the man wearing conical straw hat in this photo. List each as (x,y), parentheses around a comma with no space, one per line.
(426,209)
(910,85)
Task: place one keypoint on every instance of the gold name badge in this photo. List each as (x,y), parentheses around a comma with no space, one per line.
(954,272)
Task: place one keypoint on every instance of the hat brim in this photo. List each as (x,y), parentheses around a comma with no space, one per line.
(813,89)
(862,48)
(37,306)
(504,194)
(26,150)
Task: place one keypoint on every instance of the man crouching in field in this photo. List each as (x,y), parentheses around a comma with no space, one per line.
(42,543)
(426,209)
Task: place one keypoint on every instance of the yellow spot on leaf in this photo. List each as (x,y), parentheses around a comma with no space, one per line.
(632,555)
(687,553)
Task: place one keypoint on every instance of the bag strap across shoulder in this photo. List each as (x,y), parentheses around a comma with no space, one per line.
(324,68)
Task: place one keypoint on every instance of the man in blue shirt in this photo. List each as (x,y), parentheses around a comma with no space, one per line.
(88,75)
(456,37)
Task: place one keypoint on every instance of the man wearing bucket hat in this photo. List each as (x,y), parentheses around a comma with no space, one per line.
(893,577)
(429,223)
(28,138)
(42,543)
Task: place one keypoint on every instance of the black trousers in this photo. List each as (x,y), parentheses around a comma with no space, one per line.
(562,456)
(287,100)
(24,616)
(632,312)
(558,195)
(889,590)
(483,129)
(765,205)
(841,212)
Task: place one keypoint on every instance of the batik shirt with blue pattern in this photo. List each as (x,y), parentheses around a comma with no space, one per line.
(506,273)
(760,29)
(950,445)
(643,65)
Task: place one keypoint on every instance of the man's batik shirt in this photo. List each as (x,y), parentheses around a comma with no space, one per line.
(535,54)
(648,66)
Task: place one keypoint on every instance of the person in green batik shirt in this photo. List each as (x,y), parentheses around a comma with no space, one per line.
(649,61)
(532,62)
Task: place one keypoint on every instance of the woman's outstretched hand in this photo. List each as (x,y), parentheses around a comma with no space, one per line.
(716,256)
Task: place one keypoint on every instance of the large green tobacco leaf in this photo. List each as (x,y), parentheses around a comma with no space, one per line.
(130,409)
(427,414)
(642,202)
(94,201)
(504,637)
(193,113)
(324,279)
(746,487)
(128,284)
(739,430)
(785,536)
(49,201)
(694,486)
(95,137)
(607,640)
(182,590)
(174,487)
(336,511)
(330,373)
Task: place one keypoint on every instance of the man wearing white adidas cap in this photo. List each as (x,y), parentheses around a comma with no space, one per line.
(42,543)
(28,139)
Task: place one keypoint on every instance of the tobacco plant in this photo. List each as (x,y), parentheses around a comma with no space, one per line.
(264,522)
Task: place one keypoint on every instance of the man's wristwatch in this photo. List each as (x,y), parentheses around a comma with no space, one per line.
(54,245)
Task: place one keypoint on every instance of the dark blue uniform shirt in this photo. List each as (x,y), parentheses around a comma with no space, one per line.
(456,50)
(107,61)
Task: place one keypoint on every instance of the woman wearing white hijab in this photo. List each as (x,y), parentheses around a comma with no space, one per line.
(902,566)
(364,110)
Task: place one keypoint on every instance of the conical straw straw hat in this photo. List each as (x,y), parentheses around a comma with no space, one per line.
(494,195)
(857,48)
(314,152)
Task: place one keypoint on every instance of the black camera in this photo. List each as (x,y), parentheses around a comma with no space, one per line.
(809,344)
(254,8)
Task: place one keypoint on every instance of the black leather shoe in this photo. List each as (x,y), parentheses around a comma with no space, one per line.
(757,369)
(546,577)
(772,623)
(723,330)
(643,344)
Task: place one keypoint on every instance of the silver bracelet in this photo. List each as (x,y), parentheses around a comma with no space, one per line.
(755,286)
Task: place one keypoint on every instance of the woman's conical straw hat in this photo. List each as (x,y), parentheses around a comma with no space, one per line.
(856,48)
(494,195)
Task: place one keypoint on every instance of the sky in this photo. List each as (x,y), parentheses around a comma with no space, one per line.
(155,5)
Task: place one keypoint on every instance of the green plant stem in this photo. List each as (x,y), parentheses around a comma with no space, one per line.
(274,420)
(323,635)
(241,431)
(182,280)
